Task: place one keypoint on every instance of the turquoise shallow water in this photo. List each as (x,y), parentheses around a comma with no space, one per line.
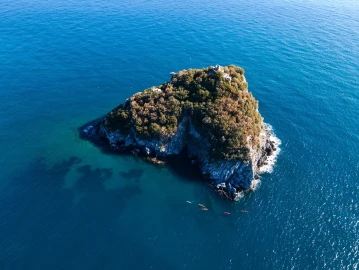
(64,204)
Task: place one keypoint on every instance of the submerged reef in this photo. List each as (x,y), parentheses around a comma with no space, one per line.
(207,112)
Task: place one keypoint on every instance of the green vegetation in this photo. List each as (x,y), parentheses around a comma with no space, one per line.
(221,110)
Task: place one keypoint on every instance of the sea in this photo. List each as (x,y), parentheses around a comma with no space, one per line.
(67,204)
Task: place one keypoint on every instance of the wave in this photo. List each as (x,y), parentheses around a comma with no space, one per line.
(267,167)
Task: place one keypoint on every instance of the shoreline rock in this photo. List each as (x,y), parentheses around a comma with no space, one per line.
(228,177)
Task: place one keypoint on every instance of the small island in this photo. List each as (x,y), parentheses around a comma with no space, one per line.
(207,112)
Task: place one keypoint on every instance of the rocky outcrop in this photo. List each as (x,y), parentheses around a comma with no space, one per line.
(208,112)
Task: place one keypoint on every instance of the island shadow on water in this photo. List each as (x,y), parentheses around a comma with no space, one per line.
(185,167)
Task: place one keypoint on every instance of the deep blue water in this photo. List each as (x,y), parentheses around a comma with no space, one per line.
(64,204)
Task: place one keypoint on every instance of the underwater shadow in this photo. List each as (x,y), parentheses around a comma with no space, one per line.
(43,225)
(131,174)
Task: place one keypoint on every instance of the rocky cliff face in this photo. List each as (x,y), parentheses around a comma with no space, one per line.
(228,177)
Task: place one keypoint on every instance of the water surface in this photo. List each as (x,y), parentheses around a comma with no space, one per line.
(65,204)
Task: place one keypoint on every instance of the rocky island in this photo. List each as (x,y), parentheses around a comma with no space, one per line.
(207,112)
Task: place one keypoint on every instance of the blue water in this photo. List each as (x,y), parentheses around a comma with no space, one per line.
(65,204)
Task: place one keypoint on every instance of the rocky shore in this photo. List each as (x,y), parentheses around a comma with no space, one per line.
(229,177)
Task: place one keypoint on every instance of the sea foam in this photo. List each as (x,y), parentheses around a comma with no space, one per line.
(267,167)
